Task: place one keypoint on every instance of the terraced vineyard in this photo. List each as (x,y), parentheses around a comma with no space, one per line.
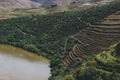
(95,38)
(104,66)
(49,35)
(108,61)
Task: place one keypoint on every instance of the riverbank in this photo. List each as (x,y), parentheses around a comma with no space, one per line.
(49,35)
(18,64)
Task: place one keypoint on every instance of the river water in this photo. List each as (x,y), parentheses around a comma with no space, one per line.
(18,64)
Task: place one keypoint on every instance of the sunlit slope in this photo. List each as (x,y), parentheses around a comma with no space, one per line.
(103,66)
(21,13)
(15,4)
(18,8)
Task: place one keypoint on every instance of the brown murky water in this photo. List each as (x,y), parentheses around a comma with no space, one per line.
(18,64)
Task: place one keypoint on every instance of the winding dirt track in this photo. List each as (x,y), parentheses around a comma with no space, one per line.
(95,39)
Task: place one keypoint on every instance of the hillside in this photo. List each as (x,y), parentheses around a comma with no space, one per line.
(103,66)
(41,1)
(65,2)
(99,36)
(50,35)
(20,8)
(27,4)
(21,13)
(15,4)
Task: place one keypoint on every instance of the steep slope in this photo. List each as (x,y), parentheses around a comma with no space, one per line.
(14,4)
(12,8)
(48,35)
(95,38)
(103,66)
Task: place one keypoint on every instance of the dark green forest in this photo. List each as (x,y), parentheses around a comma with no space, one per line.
(49,35)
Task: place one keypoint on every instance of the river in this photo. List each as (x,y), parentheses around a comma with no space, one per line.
(18,64)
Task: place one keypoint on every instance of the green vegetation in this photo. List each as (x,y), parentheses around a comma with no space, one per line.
(103,66)
(118,49)
(55,5)
(22,12)
(49,35)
